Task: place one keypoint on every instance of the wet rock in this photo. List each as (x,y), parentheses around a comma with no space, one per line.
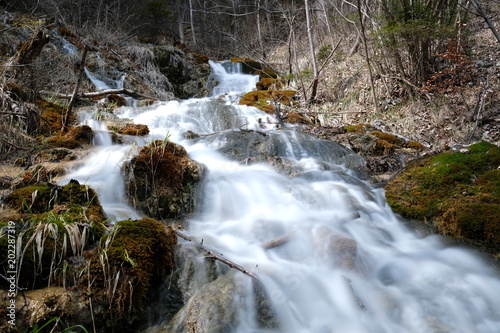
(187,77)
(212,309)
(456,191)
(38,307)
(162,180)
(385,154)
(73,138)
(273,148)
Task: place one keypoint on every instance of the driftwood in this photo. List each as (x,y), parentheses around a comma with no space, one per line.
(100,94)
(218,257)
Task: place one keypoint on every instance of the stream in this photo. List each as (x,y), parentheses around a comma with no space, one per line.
(348,263)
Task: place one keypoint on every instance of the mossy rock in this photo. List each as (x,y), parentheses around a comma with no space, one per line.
(268,83)
(75,137)
(458,191)
(161,180)
(117,100)
(42,198)
(131,129)
(54,224)
(51,116)
(136,257)
(297,118)
(266,99)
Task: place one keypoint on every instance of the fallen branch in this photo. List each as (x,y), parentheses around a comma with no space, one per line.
(100,93)
(218,257)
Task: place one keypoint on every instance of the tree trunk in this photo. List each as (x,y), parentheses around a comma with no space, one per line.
(191,19)
(367,57)
(314,89)
(481,13)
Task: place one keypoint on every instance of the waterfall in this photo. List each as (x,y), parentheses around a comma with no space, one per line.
(349,263)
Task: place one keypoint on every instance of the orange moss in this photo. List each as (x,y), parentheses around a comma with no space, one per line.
(296,118)
(74,138)
(267,83)
(415,145)
(200,58)
(117,100)
(133,129)
(359,128)
(265,99)
(390,138)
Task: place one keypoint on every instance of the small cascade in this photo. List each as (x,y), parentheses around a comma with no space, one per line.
(68,47)
(102,137)
(105,84)
(230,78)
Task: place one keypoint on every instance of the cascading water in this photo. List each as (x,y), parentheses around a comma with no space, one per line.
(348,263)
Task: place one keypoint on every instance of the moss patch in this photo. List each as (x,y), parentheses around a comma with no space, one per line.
(161,180)
(75,137)
(266,99)
(53,224)
(458,191)
(135,257)
(131,129)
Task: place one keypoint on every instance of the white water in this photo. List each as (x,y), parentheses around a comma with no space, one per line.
(337,273)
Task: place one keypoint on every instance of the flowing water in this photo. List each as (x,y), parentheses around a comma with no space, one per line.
(348,264)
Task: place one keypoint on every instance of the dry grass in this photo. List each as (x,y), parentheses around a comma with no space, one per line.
(439,120)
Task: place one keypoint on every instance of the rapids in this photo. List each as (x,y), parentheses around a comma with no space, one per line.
(349,265)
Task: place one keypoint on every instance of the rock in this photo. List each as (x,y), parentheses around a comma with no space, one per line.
(162,180)
(457,192)
(58,223)
(44,305)
(188,78)
(129,264)
(385,154)
(254,146)
(130,129)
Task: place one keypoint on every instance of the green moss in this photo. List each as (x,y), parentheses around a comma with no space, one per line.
(459,192)
(37,199)
(136,256)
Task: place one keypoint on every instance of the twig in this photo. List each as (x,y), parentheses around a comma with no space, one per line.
(13,145)
(218,257)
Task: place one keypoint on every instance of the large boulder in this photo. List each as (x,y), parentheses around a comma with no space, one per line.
(458,192)
(162,180)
